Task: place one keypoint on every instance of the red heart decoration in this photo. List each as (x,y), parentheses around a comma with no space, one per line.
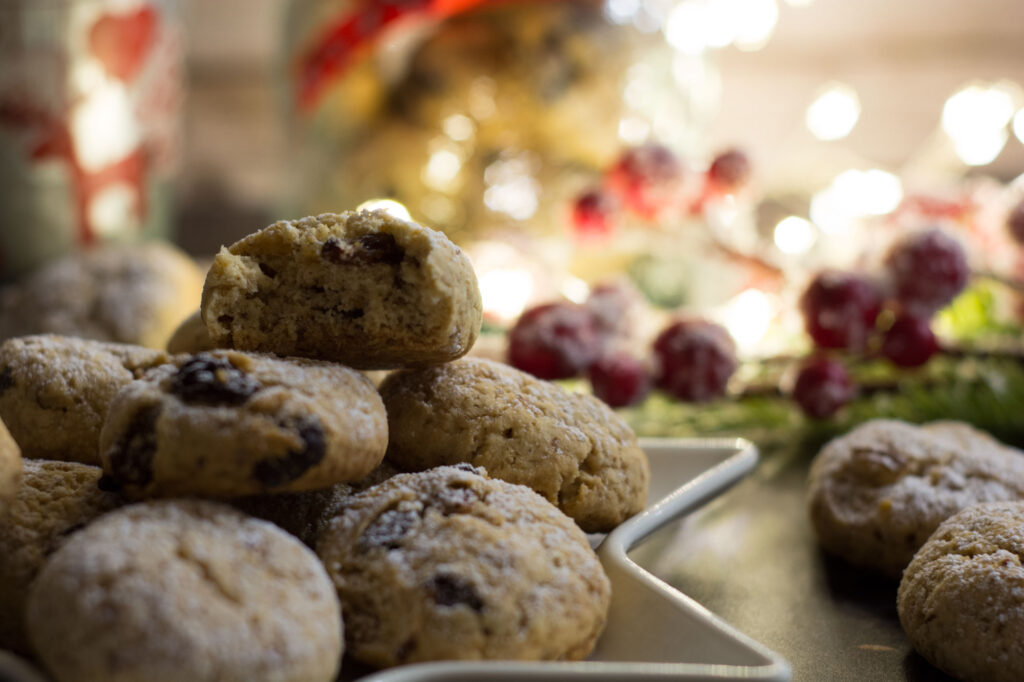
(122,41)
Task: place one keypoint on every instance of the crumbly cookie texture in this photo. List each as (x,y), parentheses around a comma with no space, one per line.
(450,564)
(55,391)
(569,447)
(128,294)
(961,600)
(10,470)
(215,596)
(361,288)
(878,492)
(191,336)
(228,424)
(305,514)
(54,500)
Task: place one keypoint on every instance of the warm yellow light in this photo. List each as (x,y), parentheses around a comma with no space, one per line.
(687,27)
(794,236)
(755,23)
(975,119)
(871,192)
(103,127)
(505,292)
(634,130)
(442,169)
(575,289)
(799,3)
(1018,125)
(834,112)
(748,317)
(389,206)
(458,127)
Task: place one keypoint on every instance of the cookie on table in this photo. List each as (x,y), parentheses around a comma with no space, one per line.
(10,469)
(569,447)
(54,500)
(127,294)
(228,424)
(215,596)
(961,600)
(55,391)
(191,336)
(362,288)
(451,564)
(878,492)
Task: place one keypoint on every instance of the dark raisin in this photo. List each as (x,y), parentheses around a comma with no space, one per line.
(6,379)
(275,471)
(448,589)
(403,652)
(466,466)
(332,251)
(268,271)
(508,433)
(131,457)
(380,248)
(457,500)
(353,314)
(209,380)
(388,529)
(225,319)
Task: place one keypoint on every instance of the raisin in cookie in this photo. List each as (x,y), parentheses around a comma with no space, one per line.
(127,294)
(54,500)
(571,448)
(10,469)
(216,596)
(191,336)
(362,288)
(228,424)
(55,391)
(450,564)
(878,492)
(961,600)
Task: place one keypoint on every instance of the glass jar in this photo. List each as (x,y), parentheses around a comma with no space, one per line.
(482,116)
(90,103)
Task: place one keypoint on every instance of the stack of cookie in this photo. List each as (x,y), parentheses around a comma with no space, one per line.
(476,550)
(942,507)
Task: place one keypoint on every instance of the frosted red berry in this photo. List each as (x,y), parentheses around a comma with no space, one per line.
(928,270)
(593,214)
(694,360)
(822,388)
(729,171)
(615,306)
(554,341)
(1015,222)
(909,342)
(619,379)
(840,308)
(647,179)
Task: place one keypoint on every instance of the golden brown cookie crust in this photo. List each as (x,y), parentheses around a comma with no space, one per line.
(361,288)
(878,492)
(54,500)
(961,600)
(227,424)
(569,447)
(450,564)
(215,596)
(55,391)
(191,336)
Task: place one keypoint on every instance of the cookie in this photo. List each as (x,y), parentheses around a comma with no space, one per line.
(126,294)
(190,336)
(361,288)
(228,424)
(54,500)
(55,391)
(569,447)
(961,600)
(878,492)
(215,596)
(451,564)
(305,514)
(10,469)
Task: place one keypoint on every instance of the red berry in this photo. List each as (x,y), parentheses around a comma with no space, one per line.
(615,306)
(910,341)
(1015,222)
(730,170)
(840,309)
(928,270)
(647,179)
(695,359)
(554,341)
(593,213)
(822,387)
(619,379)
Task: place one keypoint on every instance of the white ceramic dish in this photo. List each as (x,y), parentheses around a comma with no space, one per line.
(654,632)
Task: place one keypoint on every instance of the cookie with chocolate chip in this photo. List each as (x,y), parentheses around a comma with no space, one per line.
(362,288)
(10,469)
(226,424)
(452,564)
(569,447)
(878,492)
(214,596)
(54,500)
(55,391)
